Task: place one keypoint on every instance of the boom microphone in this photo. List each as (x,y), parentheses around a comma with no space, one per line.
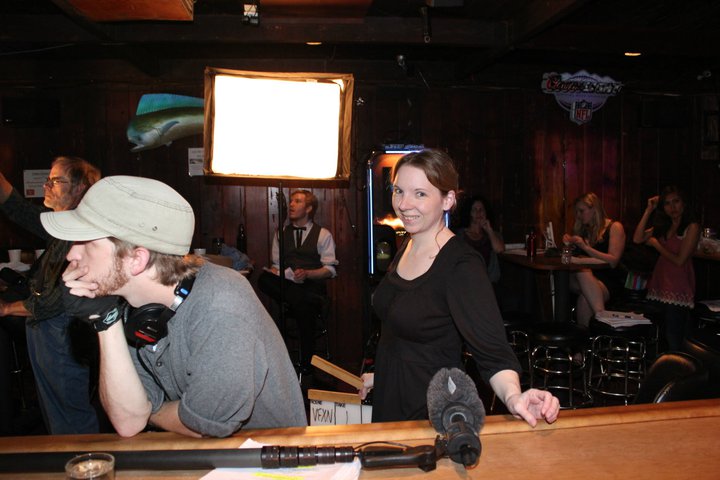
(456,411)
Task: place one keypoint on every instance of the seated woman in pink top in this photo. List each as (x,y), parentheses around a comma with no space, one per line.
(675,236)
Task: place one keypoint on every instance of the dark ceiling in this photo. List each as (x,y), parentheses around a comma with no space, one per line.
(483,42)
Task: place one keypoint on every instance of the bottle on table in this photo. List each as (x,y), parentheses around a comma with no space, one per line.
(531,243)
(217,244)
(241,242)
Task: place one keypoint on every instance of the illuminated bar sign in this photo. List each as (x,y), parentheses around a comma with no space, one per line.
(580,93)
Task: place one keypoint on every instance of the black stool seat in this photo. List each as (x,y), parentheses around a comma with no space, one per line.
(560,334)
(647,334)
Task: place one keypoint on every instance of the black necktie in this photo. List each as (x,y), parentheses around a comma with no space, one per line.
(298,236)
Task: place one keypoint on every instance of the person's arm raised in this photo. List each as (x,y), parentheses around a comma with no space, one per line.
(5,188)
(642,232)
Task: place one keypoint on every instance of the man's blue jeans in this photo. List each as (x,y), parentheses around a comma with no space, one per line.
(62,382)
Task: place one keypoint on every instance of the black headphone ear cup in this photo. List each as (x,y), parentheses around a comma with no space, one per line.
(147,324)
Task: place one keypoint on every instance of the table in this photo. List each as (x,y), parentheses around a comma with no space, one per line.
(670,440)
(561,274)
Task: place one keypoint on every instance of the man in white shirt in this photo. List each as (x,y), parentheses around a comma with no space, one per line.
(309,251)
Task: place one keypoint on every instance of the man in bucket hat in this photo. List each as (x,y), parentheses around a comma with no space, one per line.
(205,358)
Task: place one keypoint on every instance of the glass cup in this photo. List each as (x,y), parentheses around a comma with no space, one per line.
(98,466)
(199,251)
(566,255)
(14,255)
(382,256)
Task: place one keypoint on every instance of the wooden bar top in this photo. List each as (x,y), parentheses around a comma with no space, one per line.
(670,440)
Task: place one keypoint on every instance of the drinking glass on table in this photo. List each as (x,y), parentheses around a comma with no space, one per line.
(14,255)
(97,466)
(566,254)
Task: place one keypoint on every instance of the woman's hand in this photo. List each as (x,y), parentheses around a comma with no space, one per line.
(368,384)
(485,225)
(575,240)
(534,404)
(652,242)
(652,203)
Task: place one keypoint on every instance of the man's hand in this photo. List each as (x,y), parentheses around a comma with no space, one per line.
(300,274)
(72,278)
(99,312)
(80,301)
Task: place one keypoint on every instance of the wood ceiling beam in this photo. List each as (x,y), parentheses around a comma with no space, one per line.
(218,29)
(616,39)
(134,54)
(534,18)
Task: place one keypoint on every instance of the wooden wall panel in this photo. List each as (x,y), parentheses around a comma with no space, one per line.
(517,147)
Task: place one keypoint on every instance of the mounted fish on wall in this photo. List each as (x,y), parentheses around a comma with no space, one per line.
(163,117)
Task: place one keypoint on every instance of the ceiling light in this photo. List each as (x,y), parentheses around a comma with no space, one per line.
(632,54)
(313,44)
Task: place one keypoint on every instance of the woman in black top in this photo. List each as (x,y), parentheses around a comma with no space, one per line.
(435,296)
(597,236)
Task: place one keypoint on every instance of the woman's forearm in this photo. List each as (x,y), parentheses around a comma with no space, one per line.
(642,233)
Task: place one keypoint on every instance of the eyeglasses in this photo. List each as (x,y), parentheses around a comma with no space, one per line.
(51,182)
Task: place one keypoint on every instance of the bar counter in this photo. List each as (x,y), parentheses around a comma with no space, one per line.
(670,440)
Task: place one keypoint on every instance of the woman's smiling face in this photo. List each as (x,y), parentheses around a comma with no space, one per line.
(417,202)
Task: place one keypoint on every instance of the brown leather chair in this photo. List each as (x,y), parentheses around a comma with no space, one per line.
(674,376)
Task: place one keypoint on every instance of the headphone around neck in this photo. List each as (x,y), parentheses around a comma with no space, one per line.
(146,325)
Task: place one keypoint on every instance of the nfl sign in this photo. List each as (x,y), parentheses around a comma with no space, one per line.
(580,93)
(581,112)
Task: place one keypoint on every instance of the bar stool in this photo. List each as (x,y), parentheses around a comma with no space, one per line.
(518,326)
(617,366)
(558,362)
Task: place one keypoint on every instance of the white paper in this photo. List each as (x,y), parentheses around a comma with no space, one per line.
(289,274)
(195,161)
(549,236)
(33,181)
(622,319)
(336,471)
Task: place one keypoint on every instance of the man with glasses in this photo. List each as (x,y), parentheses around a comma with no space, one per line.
(62,382)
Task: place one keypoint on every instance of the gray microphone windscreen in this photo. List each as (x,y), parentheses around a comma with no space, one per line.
(452,392)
